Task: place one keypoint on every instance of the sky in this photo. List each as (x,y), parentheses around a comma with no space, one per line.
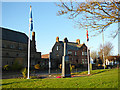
(47,25)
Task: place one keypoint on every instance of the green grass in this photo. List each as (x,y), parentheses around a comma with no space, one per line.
(92,72)
(102,79)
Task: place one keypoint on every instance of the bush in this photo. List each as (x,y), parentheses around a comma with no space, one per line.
(6,67)
(71,67)
(37,66)
(24,72)
(60,66)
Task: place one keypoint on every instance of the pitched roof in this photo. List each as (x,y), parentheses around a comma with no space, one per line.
(72,45)
(12,35)
(45,56)
(113,58)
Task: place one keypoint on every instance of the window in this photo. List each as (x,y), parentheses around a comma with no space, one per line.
(69,53)
(76,61)
(7,53)
(12,46)
(17,54)
(82,61)
(86,61)
(57,47)
(85,53)
(75,53)
(20,48)
(82,53)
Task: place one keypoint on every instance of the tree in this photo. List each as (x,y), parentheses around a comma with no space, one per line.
(93,55)
(95,15)
(107,50)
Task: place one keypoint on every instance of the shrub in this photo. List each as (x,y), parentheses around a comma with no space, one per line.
(99,65)
(24,72)
(6,67)
(60,66)
(37,66)
(73,66)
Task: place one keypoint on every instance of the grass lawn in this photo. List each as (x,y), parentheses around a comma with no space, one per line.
(98,79)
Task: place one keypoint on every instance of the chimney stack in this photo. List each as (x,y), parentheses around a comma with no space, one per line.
(33,36)
(78,41)
(57,39)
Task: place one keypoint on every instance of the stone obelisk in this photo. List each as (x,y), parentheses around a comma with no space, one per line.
(65,61)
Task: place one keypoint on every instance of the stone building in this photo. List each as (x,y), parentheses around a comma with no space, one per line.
(15,48)
(77,53)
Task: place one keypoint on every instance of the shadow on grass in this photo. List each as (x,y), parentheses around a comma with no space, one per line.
(92,72)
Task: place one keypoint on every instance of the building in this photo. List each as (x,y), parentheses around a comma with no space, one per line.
(44,61)
(77,53)
(112,60)
(15,48)
(45,56)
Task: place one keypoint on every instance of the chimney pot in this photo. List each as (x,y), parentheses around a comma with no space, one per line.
(57,39)
(78,41)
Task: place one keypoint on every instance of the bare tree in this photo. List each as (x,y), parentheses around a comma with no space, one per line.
(94,15)
(108,47)
(93,55)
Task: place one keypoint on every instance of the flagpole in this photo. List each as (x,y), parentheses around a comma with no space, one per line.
(29,55)
(29,51)
(88,59)
(88,53)
(103,48)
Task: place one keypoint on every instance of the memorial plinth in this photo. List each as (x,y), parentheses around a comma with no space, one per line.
(65,61)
